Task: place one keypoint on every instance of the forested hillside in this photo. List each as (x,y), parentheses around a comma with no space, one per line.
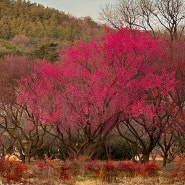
(26,25)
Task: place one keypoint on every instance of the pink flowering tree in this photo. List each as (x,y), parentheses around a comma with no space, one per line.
(173,141)
(20,129)
(97,86)
(177,56)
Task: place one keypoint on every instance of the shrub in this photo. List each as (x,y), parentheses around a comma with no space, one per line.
(178,172)
(121,151)
(12,171)
(109,171)
(64,173)
(127,167)
(41,165)
(94,167)
(148,169)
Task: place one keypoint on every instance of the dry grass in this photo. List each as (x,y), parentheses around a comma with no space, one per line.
(138,180)
(125,181)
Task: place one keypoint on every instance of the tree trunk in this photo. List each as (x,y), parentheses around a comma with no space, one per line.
(165,157)
(107,153)
(146,157)
(27,159)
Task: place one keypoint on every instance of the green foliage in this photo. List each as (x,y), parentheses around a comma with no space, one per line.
(30,29)
(7,47)
(34,20)
(115,151)
(121,151)
(46,51)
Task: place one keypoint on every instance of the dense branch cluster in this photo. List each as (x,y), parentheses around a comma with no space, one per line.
(151,15)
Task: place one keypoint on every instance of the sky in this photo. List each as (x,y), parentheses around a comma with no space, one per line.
(77,8)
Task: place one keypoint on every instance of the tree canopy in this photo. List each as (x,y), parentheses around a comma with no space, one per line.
(100,84)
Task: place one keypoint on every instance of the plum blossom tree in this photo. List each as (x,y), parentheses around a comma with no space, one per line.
(19,128)
(97,85)
(176,62)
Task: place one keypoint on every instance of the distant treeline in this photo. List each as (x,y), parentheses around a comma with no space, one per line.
(27,26)
(32,19)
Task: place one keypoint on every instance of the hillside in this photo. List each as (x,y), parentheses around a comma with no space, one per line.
(27,26)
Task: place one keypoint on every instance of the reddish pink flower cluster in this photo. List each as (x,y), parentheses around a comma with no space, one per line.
(98,82)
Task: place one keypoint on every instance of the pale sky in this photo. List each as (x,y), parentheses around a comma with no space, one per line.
(77,8)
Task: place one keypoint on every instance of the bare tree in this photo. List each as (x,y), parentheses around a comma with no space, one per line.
(26,132)
(22,129)
(151,15)
(143,135)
